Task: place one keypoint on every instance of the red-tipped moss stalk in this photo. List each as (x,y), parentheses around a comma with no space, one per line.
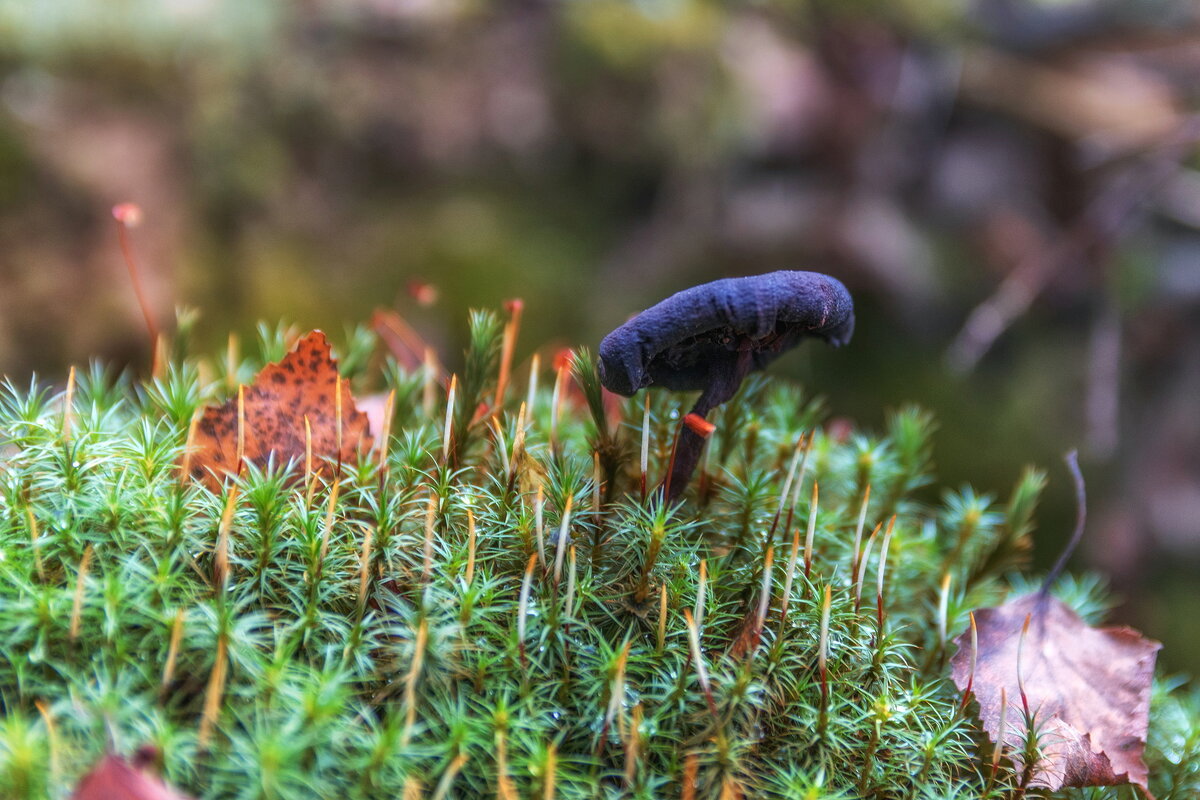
(556,404)
(68,412)
(420,641)
(691,770)
(214,693)
(701,589)
(561,543)
(447,780)
(789,579)
(471,535)
(385,433)
(698,661)
(241,429)
(860,577)
(597,485)
(858,530)
(572,569)
(550,777)
(337,423)
(518,448)
(539,527)
(51,736)
(429,383)
(232,359)
(823,657)
(764,599)
(501,446)
(431,508)
(221,554)
(511,329)
(966,695)
(797,452)
(310,480)
(535,367)
(35,543)
(504,783)
(798,484)
(523,607)
(633,744)
(189,447)
(327,529)
(80,587)
(364,567)
(662,618)
(616,697)
(943,610)
(168,673)
(880,613)
(812,529)
(644,460)
(1020,664)
(1001,732)
(658,533)
(448,425)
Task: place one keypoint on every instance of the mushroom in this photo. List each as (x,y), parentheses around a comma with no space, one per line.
(709,337)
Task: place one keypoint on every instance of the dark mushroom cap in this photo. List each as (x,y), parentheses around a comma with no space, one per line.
(682,342)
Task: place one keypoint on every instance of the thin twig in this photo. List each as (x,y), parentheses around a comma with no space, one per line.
(1072,459)
(1098,227)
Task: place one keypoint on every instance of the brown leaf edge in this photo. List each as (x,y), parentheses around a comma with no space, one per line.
(1088,690)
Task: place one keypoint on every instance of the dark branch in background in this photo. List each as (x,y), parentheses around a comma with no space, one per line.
(1103,401)
(1105,220)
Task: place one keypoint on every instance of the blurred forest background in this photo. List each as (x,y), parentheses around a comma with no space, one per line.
(1010,188)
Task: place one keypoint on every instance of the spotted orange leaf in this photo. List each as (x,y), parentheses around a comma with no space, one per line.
(305,385)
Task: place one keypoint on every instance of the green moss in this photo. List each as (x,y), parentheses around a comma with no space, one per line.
(444,683)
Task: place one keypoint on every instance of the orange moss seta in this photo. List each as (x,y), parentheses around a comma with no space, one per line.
(699,425)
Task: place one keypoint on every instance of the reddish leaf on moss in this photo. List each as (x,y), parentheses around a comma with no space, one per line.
(747,635)
(1088,690)
(114,778)
(304,385)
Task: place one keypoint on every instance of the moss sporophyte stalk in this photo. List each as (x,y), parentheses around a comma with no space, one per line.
(492,600)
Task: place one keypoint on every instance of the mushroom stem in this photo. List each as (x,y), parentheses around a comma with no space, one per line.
(689,446)
(725,377)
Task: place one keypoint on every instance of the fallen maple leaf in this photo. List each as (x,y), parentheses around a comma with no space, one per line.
(114,778)
(304,385)
(1087,689)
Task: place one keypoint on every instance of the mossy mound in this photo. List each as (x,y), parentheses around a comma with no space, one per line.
(417,626)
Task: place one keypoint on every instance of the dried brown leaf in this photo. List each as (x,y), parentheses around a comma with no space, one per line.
(747,635)
(304,385)
(1088,690)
